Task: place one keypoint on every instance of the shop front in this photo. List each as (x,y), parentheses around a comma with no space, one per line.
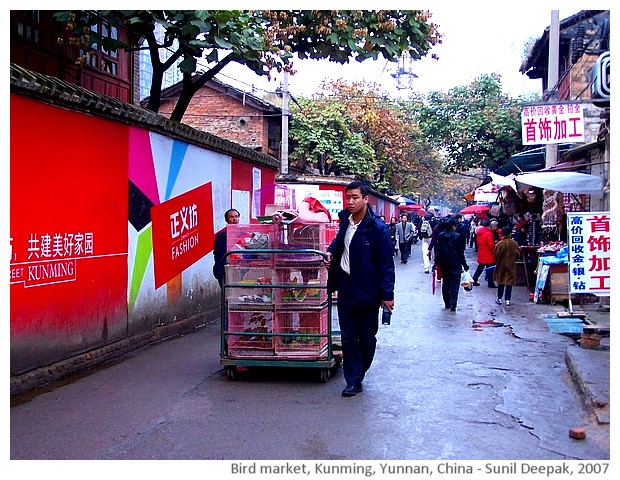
(539,206)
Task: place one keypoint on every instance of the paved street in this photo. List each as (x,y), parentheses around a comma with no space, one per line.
(486,382)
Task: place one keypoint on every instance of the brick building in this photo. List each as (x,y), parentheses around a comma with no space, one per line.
(230,113)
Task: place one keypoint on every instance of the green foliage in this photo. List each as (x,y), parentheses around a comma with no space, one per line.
(323,139)
(474,126)
(263,40)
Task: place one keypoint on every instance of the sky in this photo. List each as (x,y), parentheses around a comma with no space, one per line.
(477,40)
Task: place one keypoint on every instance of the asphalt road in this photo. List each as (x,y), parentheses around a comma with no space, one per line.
(486,382)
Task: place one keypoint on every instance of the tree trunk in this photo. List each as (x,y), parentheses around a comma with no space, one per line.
(190,88)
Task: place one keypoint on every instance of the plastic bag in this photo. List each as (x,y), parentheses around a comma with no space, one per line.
(466,281)
(313,211)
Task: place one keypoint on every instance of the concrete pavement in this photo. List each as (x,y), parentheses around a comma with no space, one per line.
(589,367)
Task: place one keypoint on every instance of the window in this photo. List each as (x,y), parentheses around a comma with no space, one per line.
(274,133)
(29,25)
(98,57)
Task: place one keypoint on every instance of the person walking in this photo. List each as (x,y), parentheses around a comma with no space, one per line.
(426,231)
(361,269)
(485,257)
(219,246)
(437,229)
(392,226)
(462,228)
(506,253)
(450,256)
(404,234)
(475,223)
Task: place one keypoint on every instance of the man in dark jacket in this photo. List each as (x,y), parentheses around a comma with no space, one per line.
(361,270)
(220,247)
(450,256)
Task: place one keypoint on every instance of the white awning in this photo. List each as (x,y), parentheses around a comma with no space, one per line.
(565,182)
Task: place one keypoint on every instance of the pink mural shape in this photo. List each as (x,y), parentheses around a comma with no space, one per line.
(141,167)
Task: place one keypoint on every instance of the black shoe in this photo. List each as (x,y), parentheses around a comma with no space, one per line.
(453,309)
(476,284)
(493,286)
(351,390)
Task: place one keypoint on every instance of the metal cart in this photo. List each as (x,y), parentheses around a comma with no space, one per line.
(276,311)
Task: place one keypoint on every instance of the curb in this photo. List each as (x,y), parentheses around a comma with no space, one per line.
(590,370)
(42,376)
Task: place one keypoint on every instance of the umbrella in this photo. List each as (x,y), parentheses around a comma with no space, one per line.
(405,201)
(475,209)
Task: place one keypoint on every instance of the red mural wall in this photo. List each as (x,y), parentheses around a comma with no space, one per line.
(68,230)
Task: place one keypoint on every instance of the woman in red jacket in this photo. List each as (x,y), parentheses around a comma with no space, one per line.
(486,244)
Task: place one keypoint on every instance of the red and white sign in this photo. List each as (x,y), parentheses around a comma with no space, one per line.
(182,232)
(553,123)
(589,244)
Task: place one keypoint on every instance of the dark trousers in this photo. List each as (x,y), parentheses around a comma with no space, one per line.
(450,284)
(500,291)
(479,270)
(405,251)
(358,332)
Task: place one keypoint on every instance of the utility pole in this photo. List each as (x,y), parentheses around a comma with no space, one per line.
(284,150)
(551,151)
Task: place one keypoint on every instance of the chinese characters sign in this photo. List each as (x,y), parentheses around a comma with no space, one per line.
(51,258)
(559,123)
(182,232)
(589,244)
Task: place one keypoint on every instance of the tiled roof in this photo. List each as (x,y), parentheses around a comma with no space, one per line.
(54,91)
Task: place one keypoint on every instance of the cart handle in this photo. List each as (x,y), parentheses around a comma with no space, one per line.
(253,251)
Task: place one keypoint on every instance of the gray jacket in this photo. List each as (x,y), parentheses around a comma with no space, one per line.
(404,236)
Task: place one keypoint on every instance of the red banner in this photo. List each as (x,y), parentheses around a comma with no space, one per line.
(182,232)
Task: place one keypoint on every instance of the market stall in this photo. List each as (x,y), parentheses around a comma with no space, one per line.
(536,205)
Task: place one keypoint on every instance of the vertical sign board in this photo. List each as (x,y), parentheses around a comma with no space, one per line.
(589,244)
(552,123)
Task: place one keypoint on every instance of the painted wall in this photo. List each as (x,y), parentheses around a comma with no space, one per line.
(111,228)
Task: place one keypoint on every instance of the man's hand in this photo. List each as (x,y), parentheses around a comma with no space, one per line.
(389,304)
(327,259)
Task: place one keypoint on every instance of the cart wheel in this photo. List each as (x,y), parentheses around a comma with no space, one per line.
(231,371)
(324,375)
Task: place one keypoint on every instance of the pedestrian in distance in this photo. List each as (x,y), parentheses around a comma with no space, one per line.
(506,253)
(392,226)
(426,232)
(485,257)
(450,256)
(437,229)
(361,269)
(219,246)
(494,227)
(404,235)
(475,223)
(462,228)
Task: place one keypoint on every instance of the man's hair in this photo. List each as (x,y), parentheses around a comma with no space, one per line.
(450,224)
(228,211)
(506,231)
(363,188)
